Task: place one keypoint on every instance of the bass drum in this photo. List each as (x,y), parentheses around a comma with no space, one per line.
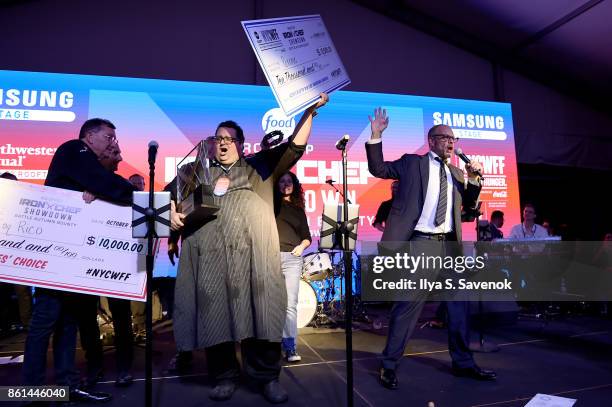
(307,304)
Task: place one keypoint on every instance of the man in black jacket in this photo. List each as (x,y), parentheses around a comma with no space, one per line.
(74,166)
(427,207)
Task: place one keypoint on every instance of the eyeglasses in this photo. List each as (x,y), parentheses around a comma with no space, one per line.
(111,138)
(445,137)
(219,139)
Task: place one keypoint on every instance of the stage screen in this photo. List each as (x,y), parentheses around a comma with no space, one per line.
(40,111)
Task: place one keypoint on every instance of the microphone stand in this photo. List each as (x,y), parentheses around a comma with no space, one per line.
(346,229)
(150,216)
(481,345)
(331,184)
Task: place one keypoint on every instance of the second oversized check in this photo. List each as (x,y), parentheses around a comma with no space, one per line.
(50,238)
(298,58)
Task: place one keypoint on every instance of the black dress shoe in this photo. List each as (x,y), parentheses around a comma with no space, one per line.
(275,393)
(124,380)
(475,372)
(180,363)
(223,390)
(388,378)
(77,395)
(93,377)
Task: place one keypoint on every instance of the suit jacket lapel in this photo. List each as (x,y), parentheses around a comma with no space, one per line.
(424,166)
(457,174)
(458,181)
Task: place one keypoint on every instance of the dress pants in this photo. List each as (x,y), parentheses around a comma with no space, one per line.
(53,313)
(260,358)
(124,339)
(24,299)
(405,315)
(89,332)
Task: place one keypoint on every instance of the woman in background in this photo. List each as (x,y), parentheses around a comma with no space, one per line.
(294,237)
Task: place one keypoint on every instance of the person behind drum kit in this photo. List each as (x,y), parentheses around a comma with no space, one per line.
(528,229)
(294,237)
(383,210)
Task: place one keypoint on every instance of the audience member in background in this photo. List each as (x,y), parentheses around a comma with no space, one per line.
(495,225)
(23,292)
(138,181)
(294,237)
(385,207)
(550,229)
(528,229)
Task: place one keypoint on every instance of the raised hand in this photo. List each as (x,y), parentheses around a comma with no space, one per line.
(324,98)
(379,123)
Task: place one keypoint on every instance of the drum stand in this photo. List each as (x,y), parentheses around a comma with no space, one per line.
(337,307)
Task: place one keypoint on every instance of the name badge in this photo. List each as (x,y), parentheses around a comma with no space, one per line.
(221,186)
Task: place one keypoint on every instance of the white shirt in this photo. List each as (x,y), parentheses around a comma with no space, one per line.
(519,232)
(428,215)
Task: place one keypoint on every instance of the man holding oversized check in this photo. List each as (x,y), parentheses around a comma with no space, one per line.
(75,167)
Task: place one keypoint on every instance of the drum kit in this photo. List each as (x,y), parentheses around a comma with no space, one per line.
(321,294)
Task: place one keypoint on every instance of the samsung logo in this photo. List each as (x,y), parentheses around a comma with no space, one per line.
(36,98)
(469,121)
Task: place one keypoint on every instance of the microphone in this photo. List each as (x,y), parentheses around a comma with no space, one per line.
(341,144)
(330,181)
(153,145)
(459,153)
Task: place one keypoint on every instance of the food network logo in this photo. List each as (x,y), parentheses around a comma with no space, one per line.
(36,105)
(275,119)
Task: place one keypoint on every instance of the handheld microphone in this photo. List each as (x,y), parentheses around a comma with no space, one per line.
(459,153)
(341,144)
(330,181)
(153,145)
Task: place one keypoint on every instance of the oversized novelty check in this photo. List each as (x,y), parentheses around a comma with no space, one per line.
(298,58)
(49,237)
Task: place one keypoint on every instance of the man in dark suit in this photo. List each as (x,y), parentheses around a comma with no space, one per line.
(75,166)
(495,224)
(427,207)
(380,220)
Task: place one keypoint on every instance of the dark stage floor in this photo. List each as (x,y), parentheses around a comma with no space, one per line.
(569,357)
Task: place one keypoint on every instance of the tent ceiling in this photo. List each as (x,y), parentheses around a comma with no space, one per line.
(566,44)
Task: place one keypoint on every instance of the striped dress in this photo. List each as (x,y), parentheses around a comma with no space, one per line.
(229,285)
